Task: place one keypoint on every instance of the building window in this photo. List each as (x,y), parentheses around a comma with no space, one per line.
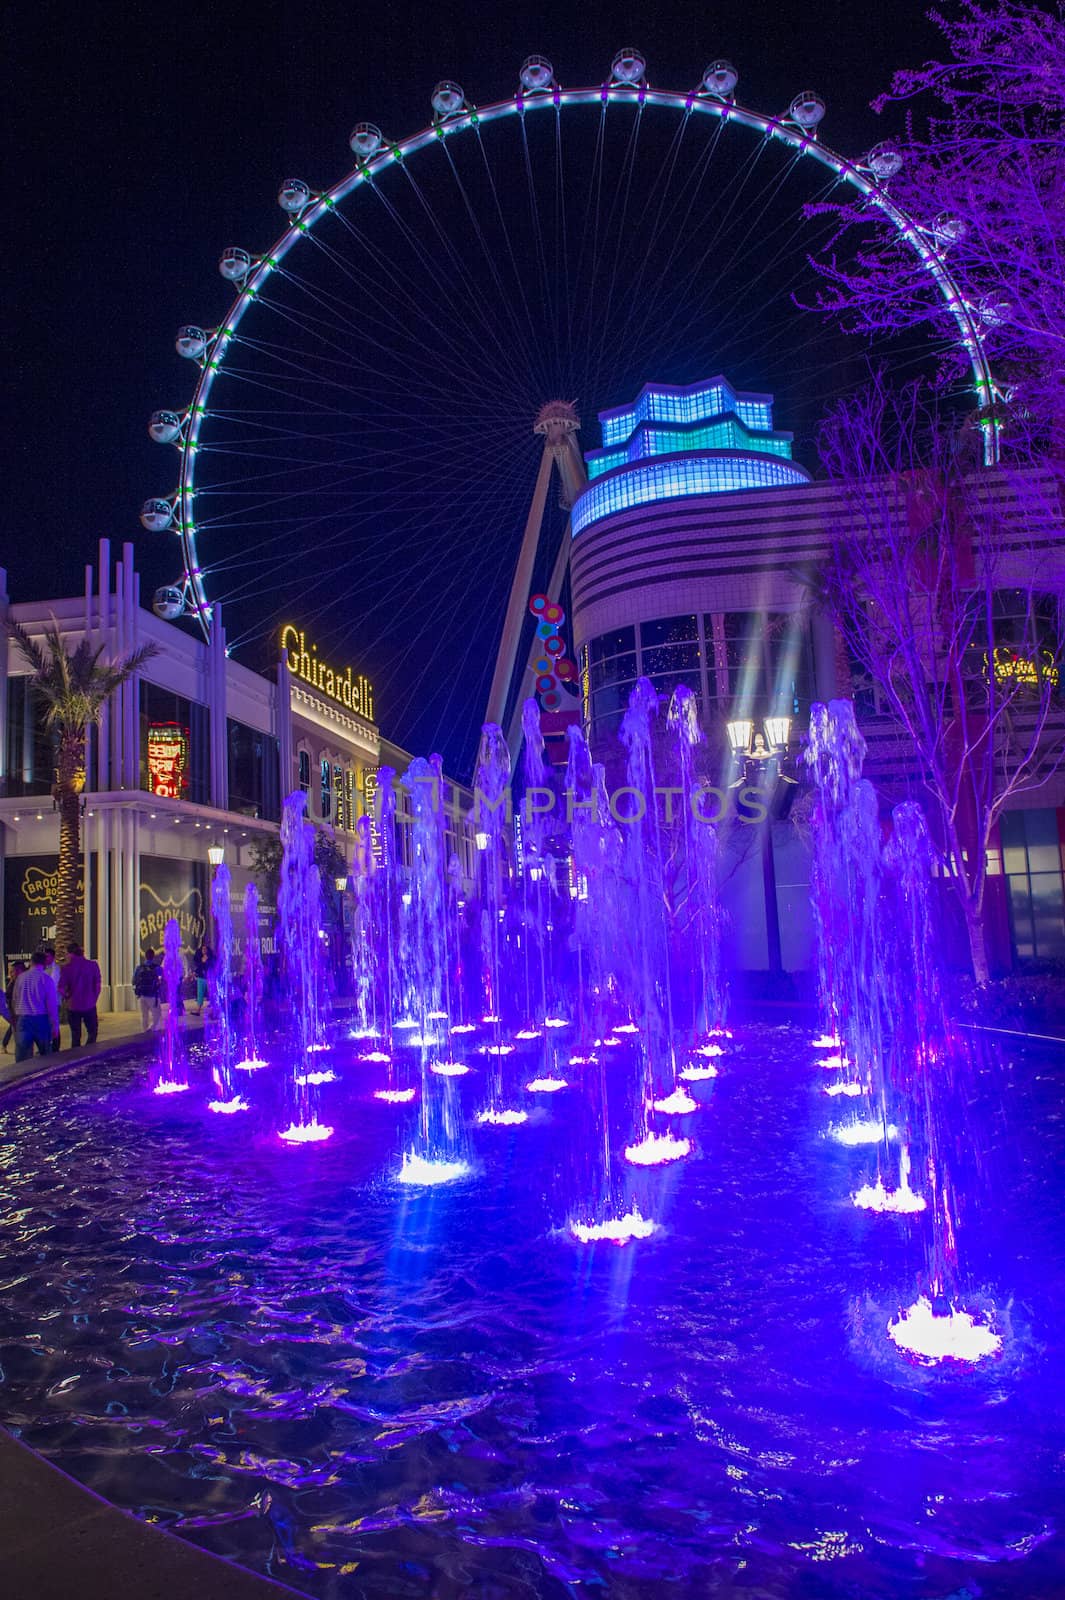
(1032,860)
(305,771)
(340,813)
(254,775)
(161,707)
(326,790)
(30,748)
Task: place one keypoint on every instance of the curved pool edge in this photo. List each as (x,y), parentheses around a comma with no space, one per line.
(16,1075)
(60,1539)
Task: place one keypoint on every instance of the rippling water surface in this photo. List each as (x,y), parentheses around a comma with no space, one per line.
(365,1390)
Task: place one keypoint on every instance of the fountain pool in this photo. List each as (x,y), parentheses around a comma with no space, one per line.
(371,1389)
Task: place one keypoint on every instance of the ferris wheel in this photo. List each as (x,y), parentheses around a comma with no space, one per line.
(358,448)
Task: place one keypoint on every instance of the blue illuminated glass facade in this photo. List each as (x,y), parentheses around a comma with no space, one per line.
(681,407)
(675,443)
(676,477)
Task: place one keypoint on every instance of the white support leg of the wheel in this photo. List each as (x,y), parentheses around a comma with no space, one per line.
(519,594)
(553,591)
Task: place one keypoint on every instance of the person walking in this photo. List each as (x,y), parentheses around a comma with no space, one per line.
(147,981)
(51,966)
(79,986)
(201,966)
(36,1010)
(9,995)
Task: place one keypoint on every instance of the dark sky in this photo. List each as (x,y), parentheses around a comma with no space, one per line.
(147,137)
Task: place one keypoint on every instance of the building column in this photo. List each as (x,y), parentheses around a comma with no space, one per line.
(217,682)
(283,730)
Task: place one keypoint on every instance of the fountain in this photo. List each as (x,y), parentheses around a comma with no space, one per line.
(171,1073)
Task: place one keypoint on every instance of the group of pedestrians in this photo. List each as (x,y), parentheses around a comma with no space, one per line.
(148,984)
(34,994)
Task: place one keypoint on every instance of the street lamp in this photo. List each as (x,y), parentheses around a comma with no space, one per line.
(739,734)
(341,882)
(216,854)
(777,732)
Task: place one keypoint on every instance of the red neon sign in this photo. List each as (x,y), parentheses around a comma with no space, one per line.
(168,759)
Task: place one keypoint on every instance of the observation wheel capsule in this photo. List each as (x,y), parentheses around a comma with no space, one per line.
(164,426)
(168,602)
(157,515)
(191,342)
(628,66)
(447,99)
(294,196)
(234,264)
(720,79)
(807,110)
(366,139)
(536,73)
(884,160)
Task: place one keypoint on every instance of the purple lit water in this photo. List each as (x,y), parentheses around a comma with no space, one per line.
(378,1391)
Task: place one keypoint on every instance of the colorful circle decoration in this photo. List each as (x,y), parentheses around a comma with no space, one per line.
(549,619)
(566,670)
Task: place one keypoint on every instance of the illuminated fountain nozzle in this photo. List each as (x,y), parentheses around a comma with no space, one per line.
(421,1173)
(546,1085)
(170,1088)
(856,1133)
(900,1202)
(677,1104)
(698,1072)
(931,1336)
(709,1050)
(305,1133)
(449,1069)
(250,1064)
(502,1119)
(227,1108)
(614,1230)
(395,1097)
(311,1080)
(850,1089)
(657,1149)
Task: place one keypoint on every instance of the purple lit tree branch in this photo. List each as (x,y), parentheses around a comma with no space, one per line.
(947,583)
(983,172)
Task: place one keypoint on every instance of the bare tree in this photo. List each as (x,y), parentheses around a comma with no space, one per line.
(983,175)
(947,582)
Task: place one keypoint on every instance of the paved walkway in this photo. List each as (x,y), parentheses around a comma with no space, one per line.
(117,1028)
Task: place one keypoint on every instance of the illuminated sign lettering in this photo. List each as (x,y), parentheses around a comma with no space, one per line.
(353,693)
(168,759)
(1025,671)
(370,789)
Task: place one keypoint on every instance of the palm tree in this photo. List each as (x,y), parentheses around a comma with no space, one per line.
(75,686)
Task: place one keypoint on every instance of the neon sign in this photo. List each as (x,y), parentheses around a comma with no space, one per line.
(1025,671)
(168,759)
(353,693)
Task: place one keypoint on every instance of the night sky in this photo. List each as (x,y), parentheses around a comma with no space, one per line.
(147,138)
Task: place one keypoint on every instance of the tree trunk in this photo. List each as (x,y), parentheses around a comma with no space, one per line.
(977,931)
(69,782)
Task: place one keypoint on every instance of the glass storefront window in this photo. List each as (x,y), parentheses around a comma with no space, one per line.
(672,658)
(305,771)
(326,790)
(30,748)
(617,669)
(254,776)
(668,630)
(616,643)
(160,706)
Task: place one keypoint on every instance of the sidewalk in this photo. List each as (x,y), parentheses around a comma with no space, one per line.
(118,1029)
